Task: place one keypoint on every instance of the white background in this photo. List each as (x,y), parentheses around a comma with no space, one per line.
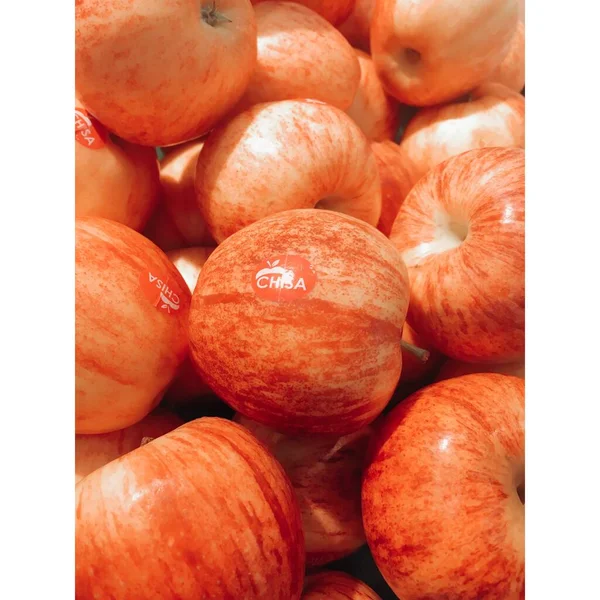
(37,300)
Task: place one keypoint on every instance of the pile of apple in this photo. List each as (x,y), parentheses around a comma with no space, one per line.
(329,255)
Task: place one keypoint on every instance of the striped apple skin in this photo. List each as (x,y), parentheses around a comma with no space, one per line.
(326,473)
(96,450)
(335,585)
(335,11)
(300,55)
(441,509)
(326,362)
(177,223)
(468,297)
(285,155)
(126,349)
(202,513)
(395,182)
(492,116)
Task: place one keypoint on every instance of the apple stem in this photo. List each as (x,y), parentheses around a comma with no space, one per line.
(212,16)
(420,353)
(145,440)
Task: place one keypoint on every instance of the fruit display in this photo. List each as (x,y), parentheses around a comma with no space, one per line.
(299,300)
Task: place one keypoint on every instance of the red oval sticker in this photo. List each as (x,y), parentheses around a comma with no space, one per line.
(160,291)
(284,277)
(88,133)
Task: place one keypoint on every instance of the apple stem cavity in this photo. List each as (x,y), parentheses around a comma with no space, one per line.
(420,353)
(212,16)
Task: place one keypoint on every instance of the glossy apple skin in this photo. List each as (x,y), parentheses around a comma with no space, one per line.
(335,585)
(155,72)
(494,116)
(326,362)
(127,349)
(427,52)
(285,155)
(326,476)
(414,369)
(177,221)
(201,512)
(468,297)
(334,11)
(511,71)
(454,368)
(96,450)
(441,509)
(376,113)
(395,182)
(188,386)
(356,28)
(118,181)
(300,55)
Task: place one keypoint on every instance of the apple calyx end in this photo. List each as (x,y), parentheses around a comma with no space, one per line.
(420,353)
(211,16)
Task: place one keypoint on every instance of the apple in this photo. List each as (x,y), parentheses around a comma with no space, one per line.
(461,232)
(334,11)
(455,368)
(414,369)
(376,113)
(492,115)
(131,310)
(296,322)
(96,450)
(443,492)
(511,71)
(335,585)
(204,511)
(356,28)
(285,155)
(326,473)
(427,52)
(300,55)
(159,73)
(188,386)
(113,179)
(177,221)
(395,182)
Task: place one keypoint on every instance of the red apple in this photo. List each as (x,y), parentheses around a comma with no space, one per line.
(443,495)
(414,369)
(300,55)
(395,182)
(94,451)
(455,368)
(326,476)
(335,11)
(285,155)
(376,113)
(113,179)
(296,322)
(432,52)
(160,73)
(335,585)
(356,28)
(493,115)
(511,71)
(177,222)
(201,512)
(130,325)
(461,232)
(188,386)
